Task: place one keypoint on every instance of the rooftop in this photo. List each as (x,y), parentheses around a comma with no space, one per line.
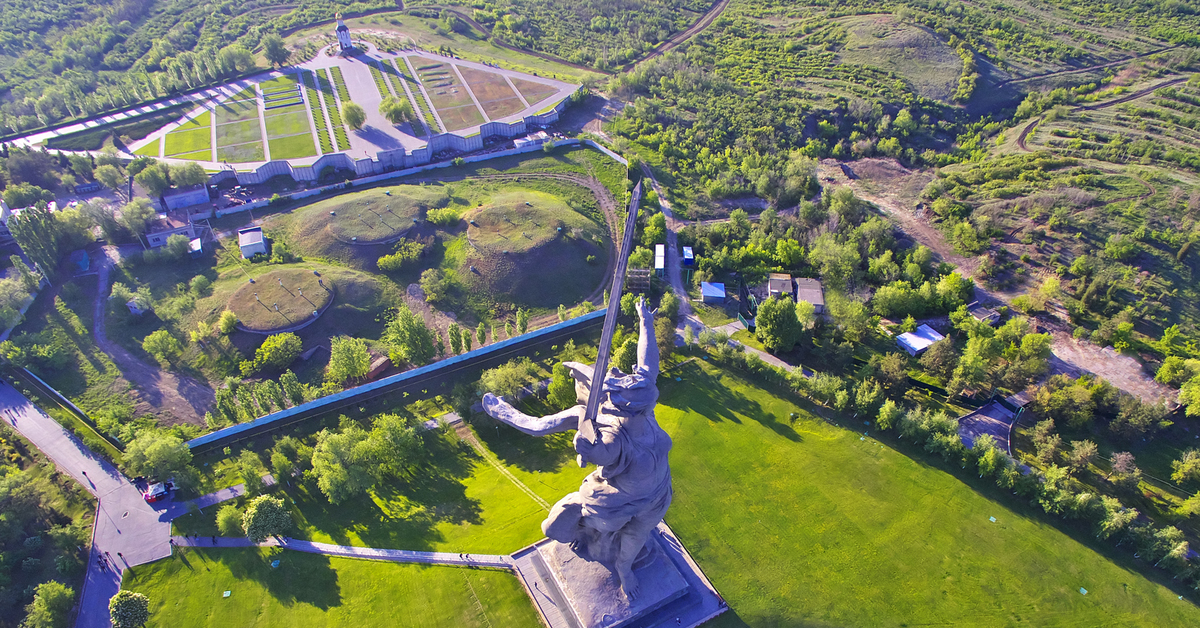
(252,235)
(167,222)
(810,290)
(712,289)
(187,189)
(920,339)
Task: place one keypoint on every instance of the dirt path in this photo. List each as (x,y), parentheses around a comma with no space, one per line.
(1124,99)
(682,36)
(1085,69)
(177,398)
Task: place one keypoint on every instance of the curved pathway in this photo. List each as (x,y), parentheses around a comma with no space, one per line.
(184,398)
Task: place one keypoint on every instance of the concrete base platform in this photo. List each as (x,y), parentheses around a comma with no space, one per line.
(572,592)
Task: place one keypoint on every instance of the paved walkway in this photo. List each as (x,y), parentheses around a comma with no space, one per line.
(993,419)
(350,551)
(128,531)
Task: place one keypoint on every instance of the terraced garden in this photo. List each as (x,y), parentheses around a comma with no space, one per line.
(239,134)
(533,91)
(431,122)
(331,107)
(493,93)
(317,111)
(448,95)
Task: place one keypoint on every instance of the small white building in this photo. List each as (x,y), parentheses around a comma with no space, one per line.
(535,139)
(134,308)
(916,342)
(660,259)
(251,242)
(811,291)
(712,292)
(343,35)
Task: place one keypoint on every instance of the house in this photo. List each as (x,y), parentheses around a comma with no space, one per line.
(195,248)
(810,291)
(983,314)
(251,242)
(660,259)
(780,284)
(134,308)
(535,139)
(87,188)
(689,260)
(167,225)
(343,34)
(916,342)
(712,292)
(177,198)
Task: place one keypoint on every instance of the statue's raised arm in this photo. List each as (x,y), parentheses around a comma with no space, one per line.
(647,344)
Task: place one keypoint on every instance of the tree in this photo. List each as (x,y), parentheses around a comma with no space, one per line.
(393,446)
(868,396)
(155,179)
(111,177)
(481,334)
(265,517)
(292,388)
(281,466)
(234,59)
(561,392)
(1125,473)
(278,351)
(229,521)
(348,358)
(1189,396)
(51,604)
(1083,453)
(250,470)
(158,455)
(410,337)
(136,214)
(227,323)
(127,609)
(522,321)
(434,284)
(340,463)
(274,50)
(940,358)
(778,327)
(30,280)
(39,234)
(188,174)
(162,345)
(18,195)
(354,115)
(889,415)
(508,379)
(178,246)
(455,338)
(1187,468)
(395,109)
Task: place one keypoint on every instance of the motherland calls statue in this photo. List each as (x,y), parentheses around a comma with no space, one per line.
(611,517)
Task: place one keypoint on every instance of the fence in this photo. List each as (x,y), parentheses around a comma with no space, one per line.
(409,381)
(349,163)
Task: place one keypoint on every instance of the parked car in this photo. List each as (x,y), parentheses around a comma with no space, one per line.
(157,491)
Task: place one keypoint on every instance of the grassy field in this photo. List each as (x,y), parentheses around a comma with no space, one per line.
(310,590)
(200,155)
(239,132)
(190,141)
(459,118)
(519,220)
(533,91)
(298,296)
(291,122)
(151,149)
(251,151)
(370,216)
(431,122)
(495,96)
(818,525)
(882,41)
(317,113)
(237,108)
(201,121)
(335,114)
(292,146)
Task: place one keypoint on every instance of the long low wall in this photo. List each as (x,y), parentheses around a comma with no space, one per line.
(395,174)
(408,381)
(391,160)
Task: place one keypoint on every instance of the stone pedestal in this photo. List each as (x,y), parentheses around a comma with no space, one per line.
(572,591)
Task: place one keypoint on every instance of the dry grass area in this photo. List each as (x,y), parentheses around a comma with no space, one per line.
(280,299)
(883,42)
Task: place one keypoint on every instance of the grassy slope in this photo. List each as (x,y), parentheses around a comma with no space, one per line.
(309,590)
(808,525)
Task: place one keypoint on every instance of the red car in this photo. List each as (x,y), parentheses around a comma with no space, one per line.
(156,492)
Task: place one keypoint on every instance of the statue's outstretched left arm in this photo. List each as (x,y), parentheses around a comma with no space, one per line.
(501,410)
(647,347)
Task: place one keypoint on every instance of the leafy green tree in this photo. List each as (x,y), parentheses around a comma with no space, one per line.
(50,607)
(136,214)
(348,358)
(1187,468)
(229,521)
(341,464)
(561,392)
(455,338)
(265,517)
(1189,396)
(410,337)
(188,174)
(393,446)
(281,466)
(274,49)
(508,379)
(1083,452)
(396,110)
(227,322)
(162,345)
(111,177)
(481,334)
(625,357)
(127,609)
(354,115)
(250,470)
(160,456)
(292,388)
(435,284)
(868,396)
(777,325)
(278,351)
(889,415)
(155,179)
(177,246)
(234,59)
(39,234)
(522,321)
(19,195)
(466,339)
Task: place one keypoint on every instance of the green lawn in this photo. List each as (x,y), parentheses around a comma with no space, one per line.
(295,290)
(807,525)
(189,141)
(201,155)
(292,147)
(251,151)
(309,590)
(151,149)
(238,132)
(291,122)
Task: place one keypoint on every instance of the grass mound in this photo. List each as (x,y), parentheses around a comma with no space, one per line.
(532,249)
(371,216)
(917,55)
(296,291)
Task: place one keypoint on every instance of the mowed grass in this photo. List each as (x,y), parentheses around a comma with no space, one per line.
(189,141)
(292,122)
(200,155)
(204,120)
(533,91)
(298,297)
(370,215)
(236,110)
(239,132)
(310,590)
(492,91)
(150,149)
(517,220)
(460,118)
(292,147)
(813,524)
(252,151)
